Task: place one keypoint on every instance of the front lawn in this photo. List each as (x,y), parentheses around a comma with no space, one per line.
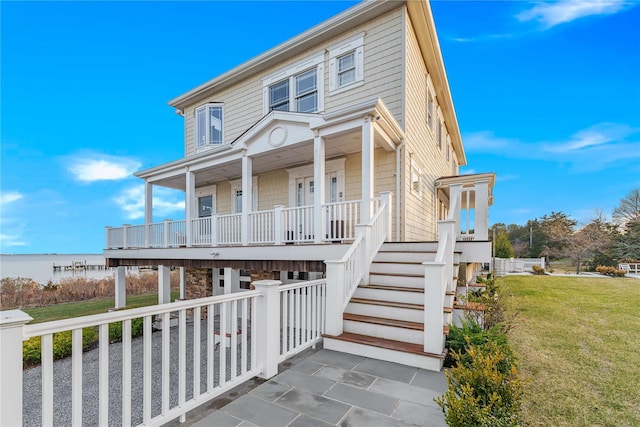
(578,342)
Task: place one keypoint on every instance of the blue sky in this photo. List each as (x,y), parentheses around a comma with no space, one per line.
(547,96)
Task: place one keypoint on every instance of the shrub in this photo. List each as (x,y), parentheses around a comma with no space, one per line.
(62,346)
(484,388)
(115,329)
(610,271)
(497,311)
(471,333)
(537,270)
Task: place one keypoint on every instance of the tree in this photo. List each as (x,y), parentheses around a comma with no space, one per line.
(558,230)
(578,245)
(503,247)
(627,245)
(629,209)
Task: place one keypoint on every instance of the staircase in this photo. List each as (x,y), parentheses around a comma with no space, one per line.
(385,317)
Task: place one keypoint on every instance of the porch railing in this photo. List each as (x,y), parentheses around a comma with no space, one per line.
(277,226)
(204,347)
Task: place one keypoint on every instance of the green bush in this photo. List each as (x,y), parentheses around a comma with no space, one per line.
(470,333)
(62,346)
(484,388)
(115,329)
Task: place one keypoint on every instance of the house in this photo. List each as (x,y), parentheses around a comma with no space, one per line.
(324,174)
(290,156)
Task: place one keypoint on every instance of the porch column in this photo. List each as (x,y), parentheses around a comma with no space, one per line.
(455,191)
(121,289)
(318,187)
(190,190)
(481,222)
(247,175)
(148,211)
(183,284)
(164,284)
(367,170)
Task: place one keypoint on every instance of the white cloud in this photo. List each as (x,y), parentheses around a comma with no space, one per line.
(550,14)
(165,201)
(90,167)
(7,241)
(10,196)
(596,148)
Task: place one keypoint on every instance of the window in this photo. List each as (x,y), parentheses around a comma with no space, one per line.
(439,136)
(430,110)
(205,206)
(346,64)
(299,87)
(209,119)
(307,92)
(236,195)
(416,178)
(448,148)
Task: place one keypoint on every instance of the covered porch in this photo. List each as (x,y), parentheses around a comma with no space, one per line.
(282,181)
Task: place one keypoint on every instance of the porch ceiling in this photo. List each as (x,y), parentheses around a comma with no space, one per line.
(335,146)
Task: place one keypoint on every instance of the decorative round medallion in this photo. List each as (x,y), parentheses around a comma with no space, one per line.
(277,136)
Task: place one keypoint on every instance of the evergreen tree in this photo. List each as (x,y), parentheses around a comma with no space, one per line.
(503,246)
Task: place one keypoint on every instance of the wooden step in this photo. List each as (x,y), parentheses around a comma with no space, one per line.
(396,274)
(393,288)
(384,321)
(385,343)
(472,306)
(387,303)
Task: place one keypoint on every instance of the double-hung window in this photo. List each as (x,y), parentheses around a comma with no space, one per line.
(209,125)
(346,64)
(299,87)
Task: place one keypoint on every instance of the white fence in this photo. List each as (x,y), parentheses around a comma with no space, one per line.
(504,266)
(206,346)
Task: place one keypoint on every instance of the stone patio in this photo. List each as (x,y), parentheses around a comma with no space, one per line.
(329,388)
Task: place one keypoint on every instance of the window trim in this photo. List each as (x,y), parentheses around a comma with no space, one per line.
(417,179)
(289,73)
(432,105)
(208,144)
(353,44)
(210,190)
(236,185)
(336,166)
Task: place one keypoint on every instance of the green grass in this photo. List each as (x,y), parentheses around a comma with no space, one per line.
(578,343)
(85,308)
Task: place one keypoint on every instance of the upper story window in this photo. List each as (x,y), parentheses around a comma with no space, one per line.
(439,136)
(431,104)
(299,87)
(346,64)
(209,120)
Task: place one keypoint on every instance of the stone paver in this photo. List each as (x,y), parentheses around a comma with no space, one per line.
(390,370)
(316,406)
(328,388)
(363,398)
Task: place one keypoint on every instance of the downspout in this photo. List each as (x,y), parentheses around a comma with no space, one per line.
(398,187)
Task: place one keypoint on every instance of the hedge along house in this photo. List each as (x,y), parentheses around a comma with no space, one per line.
(333,142)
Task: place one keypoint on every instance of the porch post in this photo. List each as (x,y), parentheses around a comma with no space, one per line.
(387,197)
(481,222)
(189,204)
(164,284)
(335,297)
(183,284)
(455,191)
(11,324)
(148,211)
(268,323)
(247,181)
(278,229)
(121,287)
(318,187)
(367,170)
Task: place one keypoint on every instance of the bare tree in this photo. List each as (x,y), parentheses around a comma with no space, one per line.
(629,208)
(577,245)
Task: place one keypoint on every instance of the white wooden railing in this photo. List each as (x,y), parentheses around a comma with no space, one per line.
(298,224)
(346,274)
(262,227)
(302,314)
(229,229)
(206,347)
(341,219)
(278,226)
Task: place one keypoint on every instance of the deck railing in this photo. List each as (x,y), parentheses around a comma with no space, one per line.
(204,348)
(278,226)
(302,314)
